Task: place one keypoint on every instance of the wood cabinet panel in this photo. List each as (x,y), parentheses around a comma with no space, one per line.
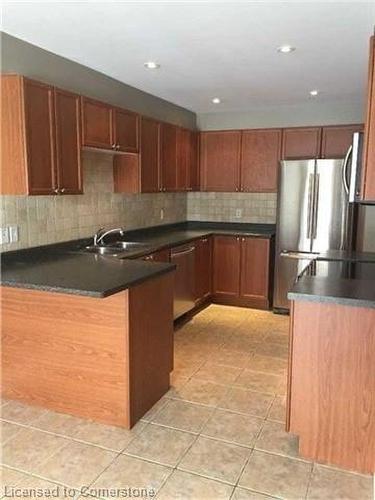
(68,142)
(193,184)
(332,353)
(220,160)
(226,277)
(368,178)
(260,156)
(126,130)
(255,261)
(40,130)
(159,256)
(301,142)
(336,140)
(97,126)
(203,268)
(168,157)
(150,155)
(183,159)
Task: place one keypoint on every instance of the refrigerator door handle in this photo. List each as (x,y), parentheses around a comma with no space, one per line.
(345,167)
(314,225)
(353,188)
(310,205)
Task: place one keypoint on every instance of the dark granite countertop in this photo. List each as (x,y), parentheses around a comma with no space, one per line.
(348,281)
(65,268)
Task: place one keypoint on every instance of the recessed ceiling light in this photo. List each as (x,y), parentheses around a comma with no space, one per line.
(216,100)
(314,92)
(286,49)
(151,65)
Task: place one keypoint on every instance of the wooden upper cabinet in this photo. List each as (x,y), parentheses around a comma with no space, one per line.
(40,145)
(193,184)
(337,140)
(301,143)
(125,130)
(183,159)
(260,156)
(368,177)
(168,157)
(97,124)
(68,142)
(255,261)
(220,160)
(226,277)
(150,155)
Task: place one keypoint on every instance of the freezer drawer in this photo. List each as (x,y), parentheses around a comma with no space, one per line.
(184,284)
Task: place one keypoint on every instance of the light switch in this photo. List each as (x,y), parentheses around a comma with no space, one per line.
(238,213)
(161,213)
(4,235)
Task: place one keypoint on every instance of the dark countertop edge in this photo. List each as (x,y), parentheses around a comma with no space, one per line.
(90,293)
(331,299)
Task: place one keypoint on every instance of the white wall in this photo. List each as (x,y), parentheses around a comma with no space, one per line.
(313,112)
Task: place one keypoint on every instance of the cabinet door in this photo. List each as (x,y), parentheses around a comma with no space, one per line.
(150,155)
(336,140)
(40,131)
(220,160)
(255,261)
(193,184)
(260,156)
(168,157)
(226,277)
(183,159)
(68,142)
(302,142)
(368,189)
(159,256)
(126,131)
(97,124)
(203,268)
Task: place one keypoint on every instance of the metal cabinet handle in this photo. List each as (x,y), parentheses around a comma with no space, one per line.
(118,147)
(114,146)
(62,190)
(56,190)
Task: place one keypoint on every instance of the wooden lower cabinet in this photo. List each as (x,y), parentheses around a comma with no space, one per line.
(331,383)
(241,271)
(159,256)
(203,269)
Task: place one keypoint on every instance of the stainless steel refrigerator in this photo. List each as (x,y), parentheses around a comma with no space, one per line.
(314,216)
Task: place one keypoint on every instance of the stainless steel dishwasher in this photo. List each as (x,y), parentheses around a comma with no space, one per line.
(184,285)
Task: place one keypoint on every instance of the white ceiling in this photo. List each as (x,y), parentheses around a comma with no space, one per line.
(207,49)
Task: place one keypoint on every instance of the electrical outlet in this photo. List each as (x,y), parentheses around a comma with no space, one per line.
(238,213)
(13,234)
(4,235)
(161,213)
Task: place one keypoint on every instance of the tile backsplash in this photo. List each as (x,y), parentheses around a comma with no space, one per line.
(232,207)
(49,219)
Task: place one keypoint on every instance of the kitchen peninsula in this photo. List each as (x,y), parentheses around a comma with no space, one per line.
(331,384)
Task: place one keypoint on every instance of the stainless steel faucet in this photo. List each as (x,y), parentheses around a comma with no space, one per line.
(101,234)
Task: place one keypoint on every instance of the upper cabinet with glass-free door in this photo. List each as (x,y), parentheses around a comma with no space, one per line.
(368,176)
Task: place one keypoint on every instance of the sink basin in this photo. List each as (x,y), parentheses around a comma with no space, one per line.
(119,247)
(129,245)
(102,250)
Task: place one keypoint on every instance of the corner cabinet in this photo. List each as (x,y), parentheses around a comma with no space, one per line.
(368,177)
(40,138)
(242,271)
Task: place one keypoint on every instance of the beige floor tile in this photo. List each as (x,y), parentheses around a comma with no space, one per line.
(276,476)
(59,423)
(21,413)
(273,438)
(76,464)
(242,343)
(333,484)
(202,391)
(218,373)
(227,357)
(108,436)
(183,415)
(155,409)
(10,478)
(260,381)
(8,430)
(130,472)
(274,350)
(267,364)
(215,459)
(184,486)
(242,494)
(246,401)
(234,427)
(278,409)
(30,448)
(161,444)
(185,367)
(277,337)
